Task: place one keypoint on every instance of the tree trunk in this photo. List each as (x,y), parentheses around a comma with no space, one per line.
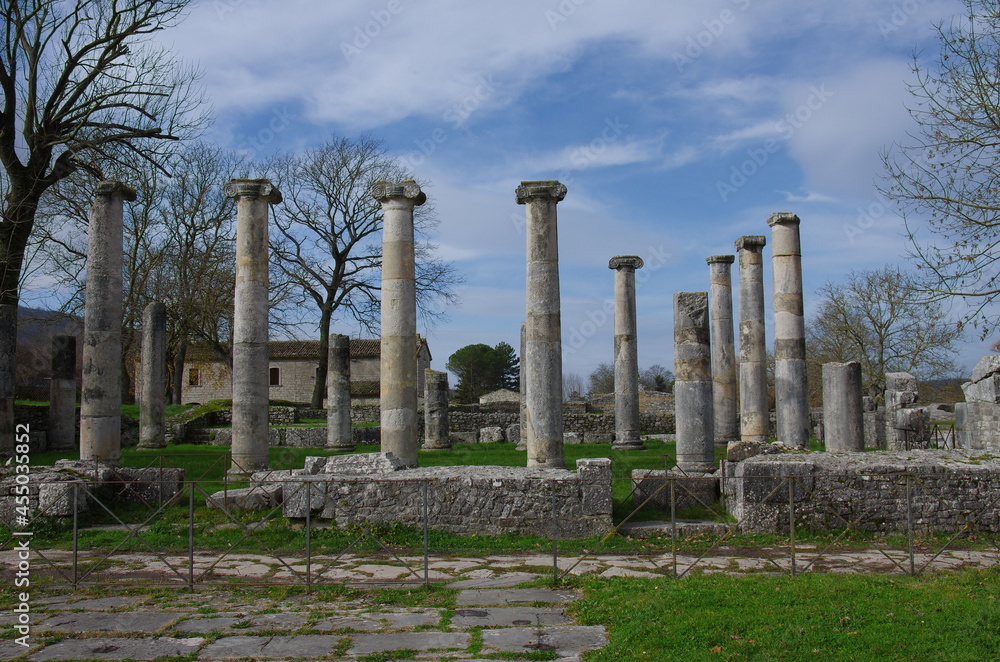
(179,357)
(319,388)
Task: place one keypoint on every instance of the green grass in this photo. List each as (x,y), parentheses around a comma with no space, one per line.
(954,617)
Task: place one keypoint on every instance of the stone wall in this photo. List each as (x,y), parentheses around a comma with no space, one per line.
(296,437)
(947,489)
(472,418)
(275,416)
(977,426)
(465,500)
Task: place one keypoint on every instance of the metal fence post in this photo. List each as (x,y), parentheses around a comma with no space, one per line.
(426,573)
(791,519)
(308,535)
(909,520)
(673,524)
(76,529)
(555,544)
(191,535)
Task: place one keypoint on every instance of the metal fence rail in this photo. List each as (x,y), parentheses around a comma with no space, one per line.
(675,554)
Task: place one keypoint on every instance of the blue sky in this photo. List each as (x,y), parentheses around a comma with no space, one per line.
(676,126)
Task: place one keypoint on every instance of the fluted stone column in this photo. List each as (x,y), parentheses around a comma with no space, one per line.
(843,417)
(436,411)
(250,333)
(522,444)
(101,401)
(543,340)
(725,398)
(61,435)
(626,354)
(153,358)
(693,383)
(338,394)
(790,390)
(398,395)
(754,418)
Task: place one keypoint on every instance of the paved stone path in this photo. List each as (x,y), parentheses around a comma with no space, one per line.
(492,613)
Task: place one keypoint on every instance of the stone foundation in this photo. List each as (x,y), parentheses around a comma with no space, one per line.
(465,500)
(652,487)
(947,490)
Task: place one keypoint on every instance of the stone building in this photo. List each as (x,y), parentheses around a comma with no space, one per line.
(292,371)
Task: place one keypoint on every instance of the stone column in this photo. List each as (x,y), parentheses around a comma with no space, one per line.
(522,444)
(754,419)
(61,435)
(153,357)
(101,401)
(338,394)
(543,335)
(843,421)
(790,391)
(250,332)
(725,400)
(626,354)
(398,395)
(693,386)
(436,410)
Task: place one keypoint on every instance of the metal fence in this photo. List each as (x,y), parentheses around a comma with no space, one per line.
(120,539)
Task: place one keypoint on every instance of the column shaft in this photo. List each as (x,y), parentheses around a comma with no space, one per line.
(522,444)
(626,354)
(693,386)
(543,341)
(843,418)
(398,372)
(754,419)
(724,386)
(153,362)
(338,394)
(790,389)
(100,405)
(250,324)
(436,410)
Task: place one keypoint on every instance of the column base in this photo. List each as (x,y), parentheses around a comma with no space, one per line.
(340,449)
(152,445)
(439,447)
(629,446)
(696,468)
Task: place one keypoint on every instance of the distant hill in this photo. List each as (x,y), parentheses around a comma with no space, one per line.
(35,329)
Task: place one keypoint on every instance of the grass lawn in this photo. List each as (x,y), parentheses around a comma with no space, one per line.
(949,616)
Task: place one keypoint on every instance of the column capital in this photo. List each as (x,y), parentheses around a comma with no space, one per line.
(625,262)
(782,218)
(409,189)
(113,187)
(720,259)
(252,188)
(752,242)
(538,190)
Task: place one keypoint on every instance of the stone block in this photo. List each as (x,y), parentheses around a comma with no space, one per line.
(513,433)
(912,429)
(50,494)
(305,437)
(598,437)
(595,477)
(572,438)
(463,437)
(652,488)
(900,381)
(363,464)
(759,480)
(985,390)
(491,435)
(738,451)
(315,465)
(300,493)
(988,365)
(260,497)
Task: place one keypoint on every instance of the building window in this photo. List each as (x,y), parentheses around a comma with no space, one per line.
(275,377)
(194,377)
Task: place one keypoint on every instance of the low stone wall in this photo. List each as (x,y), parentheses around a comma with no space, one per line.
(467,419)
(466,500)
(947,489)
(275,416)
(297,437)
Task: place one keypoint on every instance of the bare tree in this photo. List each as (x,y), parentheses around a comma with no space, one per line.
(873,318)
(573,386)
(601,380)
(328,242)
(82,85)
(945,176)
